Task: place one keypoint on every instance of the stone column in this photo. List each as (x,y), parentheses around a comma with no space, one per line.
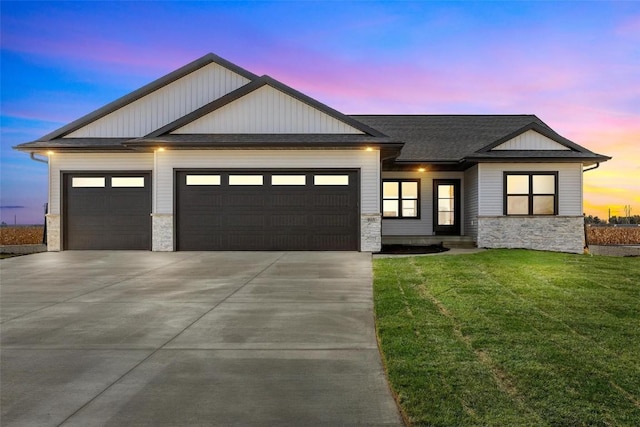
(54,238)
(370,233)
(162,232)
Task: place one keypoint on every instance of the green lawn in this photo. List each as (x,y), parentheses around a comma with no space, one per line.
(512,338)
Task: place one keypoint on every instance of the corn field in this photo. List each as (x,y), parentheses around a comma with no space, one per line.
(613,235)
(21,235)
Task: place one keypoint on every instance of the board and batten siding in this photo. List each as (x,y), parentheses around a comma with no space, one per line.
(531,140)
(424,225)
(470,219)
(76,162)
(164,105)
(267,110)
(491,182)
(367,161)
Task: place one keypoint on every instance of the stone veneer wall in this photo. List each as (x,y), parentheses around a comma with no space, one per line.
(162,233)
(547,233)
(54,238)
(370,233)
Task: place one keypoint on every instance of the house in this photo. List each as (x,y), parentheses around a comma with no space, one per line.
(213,157)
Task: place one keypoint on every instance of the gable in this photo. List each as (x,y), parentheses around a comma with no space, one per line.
(531,140)
(267,110)
(165,104)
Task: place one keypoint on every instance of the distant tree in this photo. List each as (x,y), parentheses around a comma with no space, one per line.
(614,220)
(593,220)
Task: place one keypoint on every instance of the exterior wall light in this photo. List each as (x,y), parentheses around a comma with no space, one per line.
(50,153)
(422,170)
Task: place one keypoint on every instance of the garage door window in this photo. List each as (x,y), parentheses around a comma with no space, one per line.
(203,179)
(127,181)
(245,180)
(288,180)
(88,182)
(331,180)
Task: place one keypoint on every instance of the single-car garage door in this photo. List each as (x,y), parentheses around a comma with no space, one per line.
(267,210)
(107,210)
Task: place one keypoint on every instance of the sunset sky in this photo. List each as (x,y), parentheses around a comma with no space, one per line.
(574,64)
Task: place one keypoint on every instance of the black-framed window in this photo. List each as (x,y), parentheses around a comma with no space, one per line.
(531,193)
(401,198)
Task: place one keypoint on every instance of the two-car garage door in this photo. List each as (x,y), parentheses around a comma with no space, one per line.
(267,210)
(217,210)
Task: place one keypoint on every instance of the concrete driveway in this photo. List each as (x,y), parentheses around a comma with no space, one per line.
(190,338)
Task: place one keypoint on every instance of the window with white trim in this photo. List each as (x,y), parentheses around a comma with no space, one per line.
(531,193)
(401,198)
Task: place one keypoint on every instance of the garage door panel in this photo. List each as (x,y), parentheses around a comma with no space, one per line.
(289,220)
(291,199)
(123,225)
(249,200)
(88,204)
(105,217)
(332,220)
(331,200)
(252,222)
(194,220)
(267,217)
(129,203)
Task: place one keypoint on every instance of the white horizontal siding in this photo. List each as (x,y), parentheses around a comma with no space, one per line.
(166,104)
(491,178)
(424,225)
(531,140)
(267,110)
(471,201)
(77,162)
(366,161)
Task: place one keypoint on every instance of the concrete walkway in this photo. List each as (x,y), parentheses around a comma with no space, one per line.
(191,338)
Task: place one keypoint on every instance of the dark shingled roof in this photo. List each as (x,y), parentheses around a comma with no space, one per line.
(454,138)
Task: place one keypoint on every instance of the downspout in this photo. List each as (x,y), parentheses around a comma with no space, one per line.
(46,209)
(590,169)
(32,155)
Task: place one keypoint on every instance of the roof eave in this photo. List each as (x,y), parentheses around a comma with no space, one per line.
(537,159)
(154,144)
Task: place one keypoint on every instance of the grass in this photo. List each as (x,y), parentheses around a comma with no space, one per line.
(512,338)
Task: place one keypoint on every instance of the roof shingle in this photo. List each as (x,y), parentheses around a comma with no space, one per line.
(441,138)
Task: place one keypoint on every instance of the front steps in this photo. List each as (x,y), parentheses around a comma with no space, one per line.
(462,242)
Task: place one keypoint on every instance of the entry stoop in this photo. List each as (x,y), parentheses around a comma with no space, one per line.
(461,242)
